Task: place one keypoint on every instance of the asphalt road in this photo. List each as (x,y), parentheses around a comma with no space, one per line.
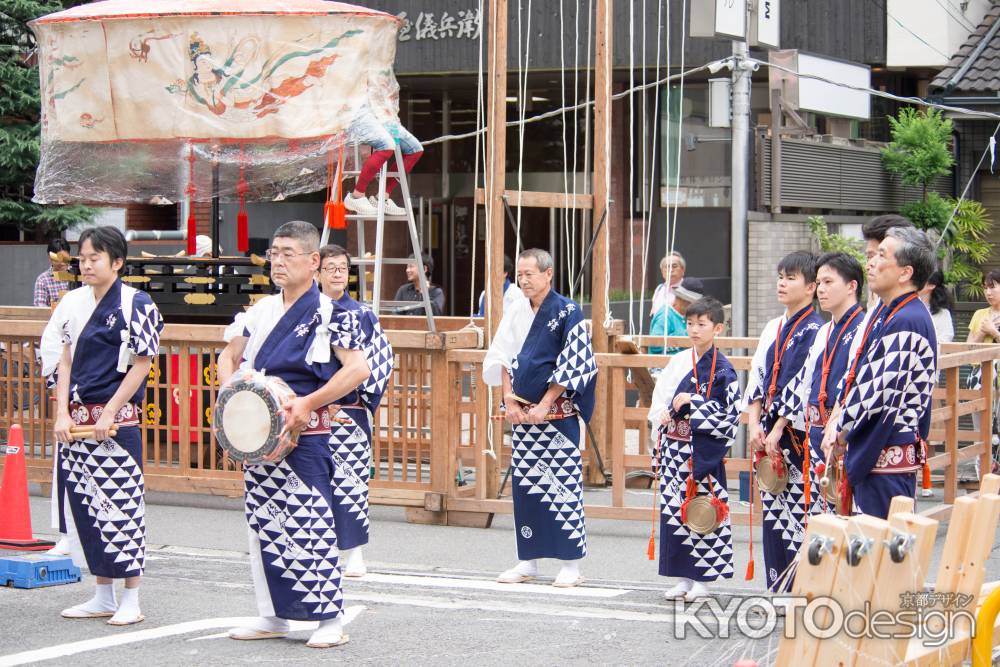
(429,599)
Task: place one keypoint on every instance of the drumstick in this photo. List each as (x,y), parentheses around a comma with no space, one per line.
(341,420)
(824,481)
(87,432)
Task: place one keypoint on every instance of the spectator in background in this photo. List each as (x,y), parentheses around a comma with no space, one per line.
(673,317)
(672,267)
(983,327)
(511,292)
(410,290)
(937,299)
(47,288)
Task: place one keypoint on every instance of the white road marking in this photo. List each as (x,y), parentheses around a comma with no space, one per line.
(487,585)
(72,648)
(515,607)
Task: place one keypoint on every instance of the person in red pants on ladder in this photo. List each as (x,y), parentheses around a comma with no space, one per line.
(381,135)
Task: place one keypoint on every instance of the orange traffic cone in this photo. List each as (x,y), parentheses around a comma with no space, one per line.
(15,514)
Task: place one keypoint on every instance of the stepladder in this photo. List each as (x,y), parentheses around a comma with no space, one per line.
(376,262)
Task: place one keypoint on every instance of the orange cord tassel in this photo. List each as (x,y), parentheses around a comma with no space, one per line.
(749,574)
(926,481)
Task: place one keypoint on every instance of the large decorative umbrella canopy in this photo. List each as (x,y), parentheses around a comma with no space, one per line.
(140,99)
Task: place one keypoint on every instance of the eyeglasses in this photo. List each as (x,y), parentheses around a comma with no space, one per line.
(334,270)
(286,255)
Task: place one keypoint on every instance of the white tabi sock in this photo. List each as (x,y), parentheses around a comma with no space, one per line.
(354,562)
(102,604)
(698,590)
(569,574)
(524,570)
(128,608)
(262,627)
(329,633)
(679,590)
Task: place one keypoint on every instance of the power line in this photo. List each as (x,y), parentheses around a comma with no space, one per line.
(583,105)
(919,101)
(902,25)
(960,20)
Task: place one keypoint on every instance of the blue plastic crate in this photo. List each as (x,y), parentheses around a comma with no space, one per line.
(37,570)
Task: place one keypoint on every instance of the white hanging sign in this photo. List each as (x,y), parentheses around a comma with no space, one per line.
(767,25)
(731,18)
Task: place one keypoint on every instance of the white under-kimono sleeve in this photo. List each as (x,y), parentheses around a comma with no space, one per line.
(756,385)
(666,388)
(507,342)
(796,394)
(55,337)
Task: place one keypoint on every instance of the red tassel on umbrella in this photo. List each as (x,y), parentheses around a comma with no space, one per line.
(192,226)
(242,219)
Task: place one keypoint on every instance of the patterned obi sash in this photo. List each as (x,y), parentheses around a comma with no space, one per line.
(561,408)
(896,459)
(679,429)
(322,420)
(87,414)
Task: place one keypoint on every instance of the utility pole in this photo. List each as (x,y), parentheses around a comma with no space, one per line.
(740,184)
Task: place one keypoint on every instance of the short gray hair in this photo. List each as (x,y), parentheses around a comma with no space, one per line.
(680,259)
(542,258)
(303,232)
(915,250)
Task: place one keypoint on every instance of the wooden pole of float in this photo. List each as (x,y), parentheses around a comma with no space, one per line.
(599,265)
(602,145)
(496,174)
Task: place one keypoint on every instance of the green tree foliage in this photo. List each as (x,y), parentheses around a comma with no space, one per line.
(19,124)
(920,151)
(835,242)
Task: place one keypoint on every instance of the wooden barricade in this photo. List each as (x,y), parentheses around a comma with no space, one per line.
(878,567)
(409,464)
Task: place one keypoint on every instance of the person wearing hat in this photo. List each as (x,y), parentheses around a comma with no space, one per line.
(410,290)
(671,315)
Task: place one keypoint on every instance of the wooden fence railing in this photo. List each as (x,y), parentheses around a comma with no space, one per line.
(628,431)
(181,454)
(436,450)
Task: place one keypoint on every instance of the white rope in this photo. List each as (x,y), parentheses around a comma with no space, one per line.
(562,101)
(631,163)
(648,217)
(586,220)
(489,183)
(968,184)
(522,93)
(566,225)
(480,105)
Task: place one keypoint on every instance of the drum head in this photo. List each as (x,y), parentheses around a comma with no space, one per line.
(248,416)
(769,479)
(701,516)
(247,422)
